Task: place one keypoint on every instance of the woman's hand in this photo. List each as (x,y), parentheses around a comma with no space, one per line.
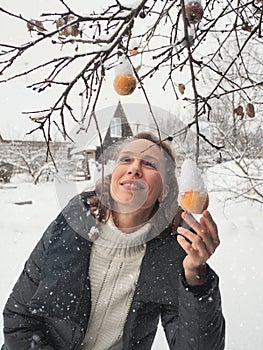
(204,243)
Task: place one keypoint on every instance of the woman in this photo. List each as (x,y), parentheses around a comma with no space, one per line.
(115,260)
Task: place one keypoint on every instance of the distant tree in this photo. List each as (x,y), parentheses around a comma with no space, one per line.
(34,164)
(169,37)
(241,154)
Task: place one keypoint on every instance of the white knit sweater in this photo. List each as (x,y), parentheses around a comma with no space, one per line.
(114,269)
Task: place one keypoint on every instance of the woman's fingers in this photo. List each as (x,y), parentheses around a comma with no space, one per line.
(202,243)
(198,244)
(194,258)
(207,221)
(206,228)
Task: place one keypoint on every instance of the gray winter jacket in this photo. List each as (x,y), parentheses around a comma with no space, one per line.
(50,304)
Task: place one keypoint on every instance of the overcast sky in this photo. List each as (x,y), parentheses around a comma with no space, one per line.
(16,98)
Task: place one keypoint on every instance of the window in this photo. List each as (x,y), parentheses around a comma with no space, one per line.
(116,127)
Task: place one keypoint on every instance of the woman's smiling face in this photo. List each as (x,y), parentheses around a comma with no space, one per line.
(138,177)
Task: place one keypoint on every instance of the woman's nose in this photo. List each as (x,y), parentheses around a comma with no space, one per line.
(135,169)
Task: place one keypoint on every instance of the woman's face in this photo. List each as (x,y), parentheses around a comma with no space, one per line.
(138,177)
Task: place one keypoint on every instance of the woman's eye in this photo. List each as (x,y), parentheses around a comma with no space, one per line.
(124,159)
(150,164)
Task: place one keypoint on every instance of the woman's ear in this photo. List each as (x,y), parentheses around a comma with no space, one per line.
(163,194)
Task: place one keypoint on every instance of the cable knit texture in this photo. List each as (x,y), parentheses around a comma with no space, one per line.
(114,269)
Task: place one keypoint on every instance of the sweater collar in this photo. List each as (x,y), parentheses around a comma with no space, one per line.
(112,241)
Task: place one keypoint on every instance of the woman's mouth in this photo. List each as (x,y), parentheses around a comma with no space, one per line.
(132,185)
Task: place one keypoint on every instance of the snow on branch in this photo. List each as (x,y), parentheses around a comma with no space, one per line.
(196,51)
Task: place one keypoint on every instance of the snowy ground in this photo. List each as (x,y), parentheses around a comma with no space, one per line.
(238,261)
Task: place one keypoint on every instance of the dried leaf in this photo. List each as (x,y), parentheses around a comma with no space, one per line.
(239,111)
(181,88)
(250,110)
(71,30)
(138,68)
(30,26)
(63,20)
(64,32)
(36,119)
(39,26)
(60,22)
(247,27)
(35,25)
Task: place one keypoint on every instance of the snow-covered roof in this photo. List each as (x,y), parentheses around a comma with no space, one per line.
(138,116)
(85,143)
